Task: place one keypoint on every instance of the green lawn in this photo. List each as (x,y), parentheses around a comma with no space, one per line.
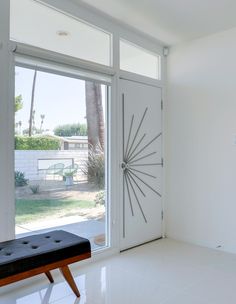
(31,210)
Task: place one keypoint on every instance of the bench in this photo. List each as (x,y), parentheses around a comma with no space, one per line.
(36,254)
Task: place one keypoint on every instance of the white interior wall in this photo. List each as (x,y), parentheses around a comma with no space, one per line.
(201,142)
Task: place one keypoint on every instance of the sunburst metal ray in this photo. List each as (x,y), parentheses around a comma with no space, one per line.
(136,134)
(130,130)
(143,157)
(130,201)
(132,154)
(123,206)
(123,122)
(142,172)
(140,207)
(136,183)
(123,151)
(145,147)
(142,165)
(145,183)
(137,145)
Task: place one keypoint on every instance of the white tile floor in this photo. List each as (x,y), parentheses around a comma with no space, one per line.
(164,271)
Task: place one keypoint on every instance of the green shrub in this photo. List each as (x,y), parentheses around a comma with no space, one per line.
(100,198)
(36,143)
(95,167)
(34,189)
(20,179)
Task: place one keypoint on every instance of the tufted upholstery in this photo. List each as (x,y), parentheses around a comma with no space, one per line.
(30,252)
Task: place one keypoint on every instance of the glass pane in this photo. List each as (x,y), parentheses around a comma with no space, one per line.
(60,155)
(39,25)
(138,60)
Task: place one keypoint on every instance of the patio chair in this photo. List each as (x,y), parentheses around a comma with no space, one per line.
(70,170)
(55,169)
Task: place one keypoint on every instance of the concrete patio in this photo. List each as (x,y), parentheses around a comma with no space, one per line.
(93,230)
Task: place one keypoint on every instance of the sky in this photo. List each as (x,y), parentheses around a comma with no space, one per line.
(61,99)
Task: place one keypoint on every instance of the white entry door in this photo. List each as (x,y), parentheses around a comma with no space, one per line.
(141,167)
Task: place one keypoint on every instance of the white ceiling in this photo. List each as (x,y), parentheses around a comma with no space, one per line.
(172,21)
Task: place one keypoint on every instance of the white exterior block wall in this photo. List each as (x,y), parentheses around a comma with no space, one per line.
(33,163)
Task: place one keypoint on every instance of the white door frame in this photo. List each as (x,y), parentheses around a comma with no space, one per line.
(154,83)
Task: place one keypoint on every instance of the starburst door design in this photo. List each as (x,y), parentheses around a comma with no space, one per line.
(141,163)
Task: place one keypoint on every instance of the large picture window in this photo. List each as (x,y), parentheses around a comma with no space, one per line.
(61,155)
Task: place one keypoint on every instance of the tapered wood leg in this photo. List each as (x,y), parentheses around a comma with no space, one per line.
(68,277)
(49,276)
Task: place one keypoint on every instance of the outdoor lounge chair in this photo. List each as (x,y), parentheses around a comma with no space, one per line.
(70,170)
(55,169)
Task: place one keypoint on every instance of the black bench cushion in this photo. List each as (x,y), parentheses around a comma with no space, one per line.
(30,252)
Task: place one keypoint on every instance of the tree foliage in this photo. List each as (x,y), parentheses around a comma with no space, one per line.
(18,103)
(71,130)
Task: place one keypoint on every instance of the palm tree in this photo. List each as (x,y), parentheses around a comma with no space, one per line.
(42,116)
(20,124)
(101,126)
(32,112)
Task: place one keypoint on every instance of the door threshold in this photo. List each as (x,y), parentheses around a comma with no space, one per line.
(123,250)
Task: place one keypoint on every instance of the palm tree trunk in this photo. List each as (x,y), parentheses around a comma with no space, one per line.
(32,103)
(101,126)
(94,114)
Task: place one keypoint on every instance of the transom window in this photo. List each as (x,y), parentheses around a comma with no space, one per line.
(138,60)
(39,25)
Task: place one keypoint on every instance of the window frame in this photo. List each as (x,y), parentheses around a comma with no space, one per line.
(19,61)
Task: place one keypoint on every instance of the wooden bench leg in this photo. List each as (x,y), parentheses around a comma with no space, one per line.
(68,277)
(49,276)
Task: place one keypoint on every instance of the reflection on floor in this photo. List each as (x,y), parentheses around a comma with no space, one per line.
(162,272)
(91,229)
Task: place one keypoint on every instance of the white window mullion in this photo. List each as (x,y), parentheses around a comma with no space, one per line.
(28,54)
(7,200)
